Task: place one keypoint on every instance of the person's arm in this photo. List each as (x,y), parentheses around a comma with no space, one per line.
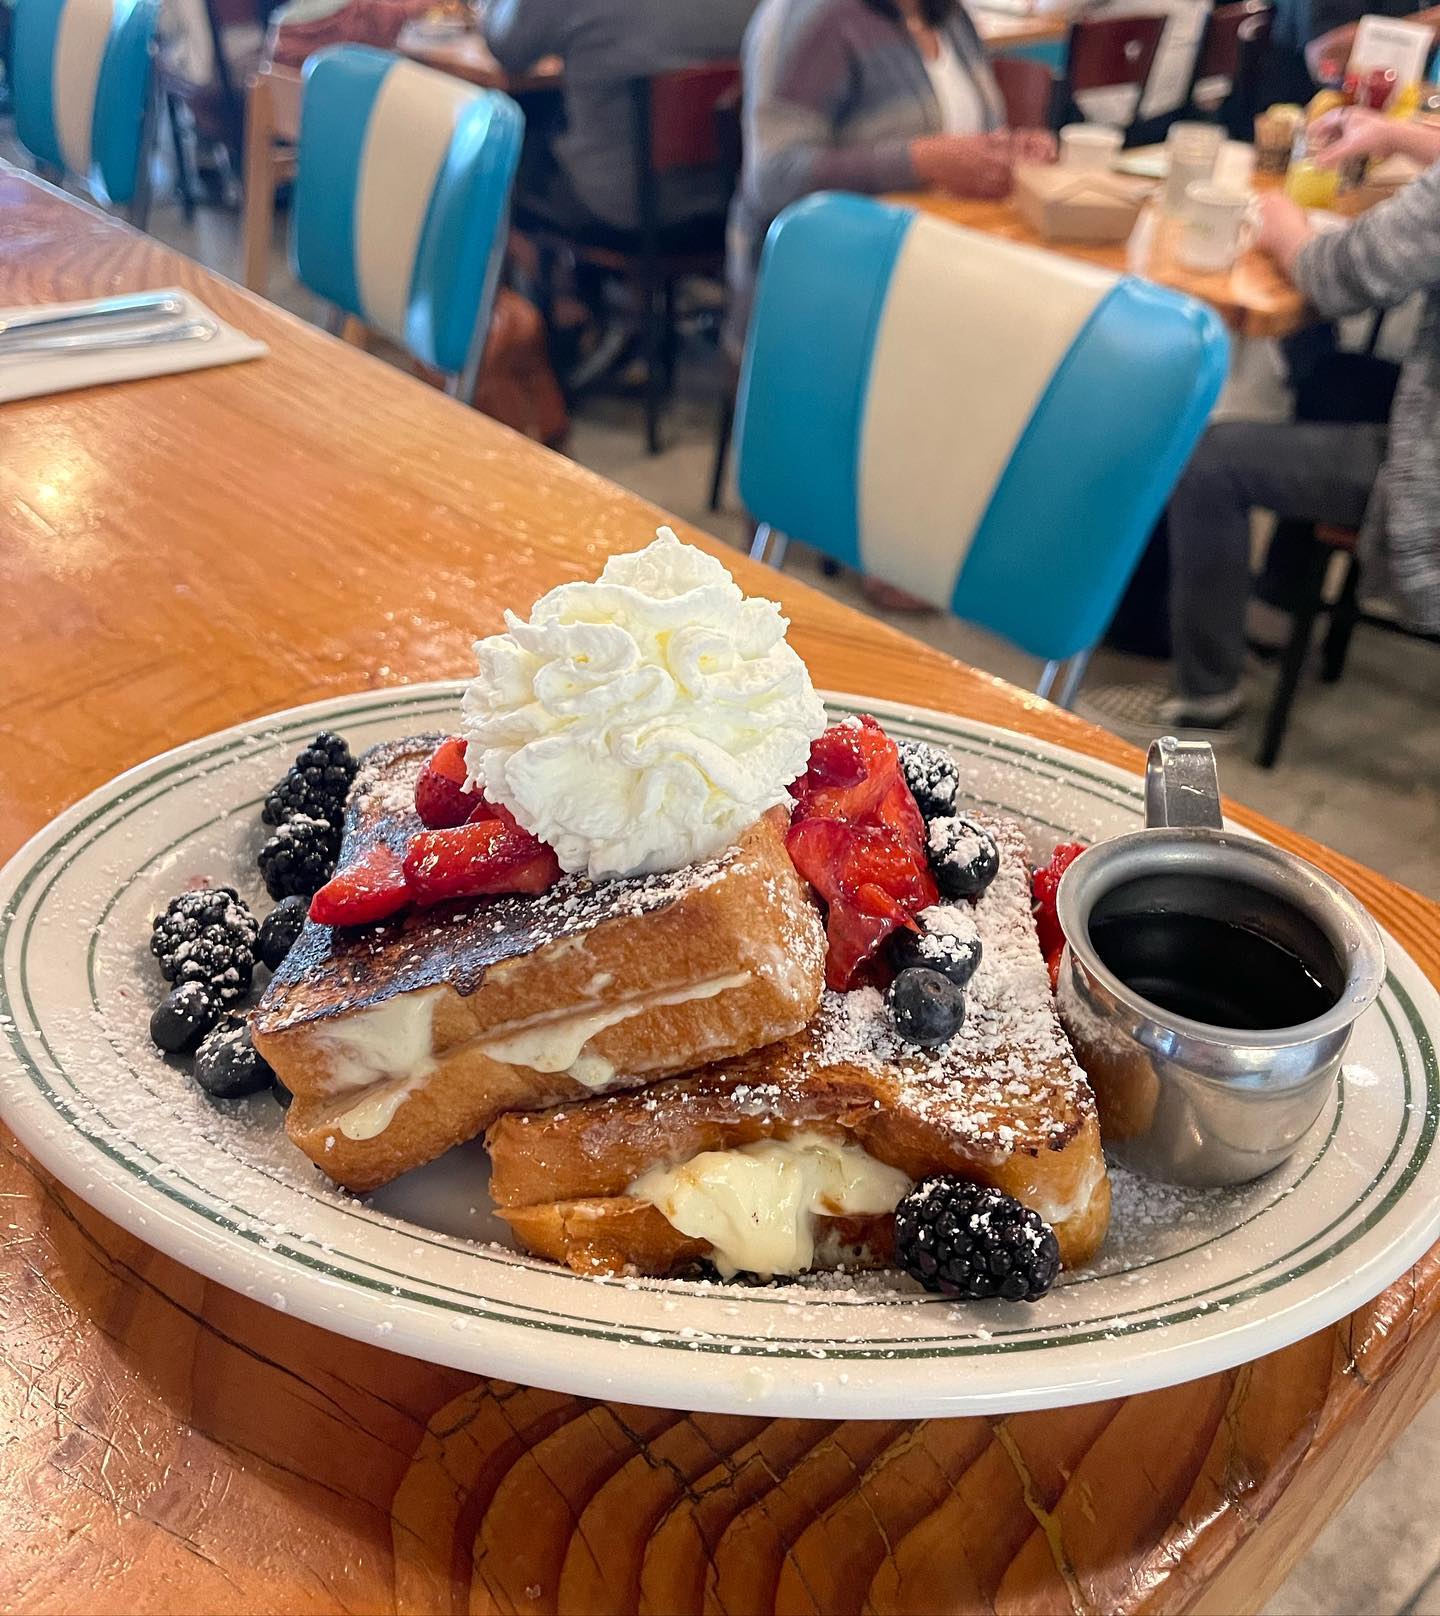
(520,32)
(798,75)
(1379,259)
(1358,132)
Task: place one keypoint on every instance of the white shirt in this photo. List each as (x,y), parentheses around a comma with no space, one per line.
(962,112)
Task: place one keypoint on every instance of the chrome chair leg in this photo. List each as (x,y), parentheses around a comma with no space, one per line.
(769,546)
(1069,673)
(1074,673)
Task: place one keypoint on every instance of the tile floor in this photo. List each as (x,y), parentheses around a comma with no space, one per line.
(1361,772)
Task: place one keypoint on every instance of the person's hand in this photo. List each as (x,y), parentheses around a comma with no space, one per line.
(966,165)
(1348,132)
(1033,146)
(1283,228)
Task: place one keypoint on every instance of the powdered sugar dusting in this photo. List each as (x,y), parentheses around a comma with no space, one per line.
(1009,1076)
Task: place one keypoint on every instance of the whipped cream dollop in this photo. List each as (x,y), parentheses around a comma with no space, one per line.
(642,721)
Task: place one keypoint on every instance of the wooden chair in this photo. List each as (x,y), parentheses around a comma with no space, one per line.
(1028,90)
(1110,53)
(272,132)
(1229,65)
(682,121)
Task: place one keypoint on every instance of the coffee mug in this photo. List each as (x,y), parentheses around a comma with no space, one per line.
(1209,983)
(1217,226)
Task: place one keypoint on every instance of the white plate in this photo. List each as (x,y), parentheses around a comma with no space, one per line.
(1190,1282)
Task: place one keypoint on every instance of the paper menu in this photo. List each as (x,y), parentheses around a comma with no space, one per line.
(1392,42)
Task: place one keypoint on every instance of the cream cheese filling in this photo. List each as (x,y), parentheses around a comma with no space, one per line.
(757,1204)
(391,1040)
(556,1043)
(385,1054)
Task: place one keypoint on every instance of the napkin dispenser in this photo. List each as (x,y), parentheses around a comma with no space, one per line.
(1067,204)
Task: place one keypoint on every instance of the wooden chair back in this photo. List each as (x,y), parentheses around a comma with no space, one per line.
(1107,53)
(1230,64)
(686,116)
(1028,89)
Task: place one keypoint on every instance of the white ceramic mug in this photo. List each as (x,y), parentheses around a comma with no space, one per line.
(1192,149)
(1089,147)
(1217,227)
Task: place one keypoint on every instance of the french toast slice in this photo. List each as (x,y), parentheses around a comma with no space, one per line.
(1003,1103)
(401,1039)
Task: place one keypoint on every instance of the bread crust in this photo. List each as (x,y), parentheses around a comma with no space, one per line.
(667,973)
(1005,1104)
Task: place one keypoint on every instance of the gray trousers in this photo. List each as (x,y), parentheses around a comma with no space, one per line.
(1302,471)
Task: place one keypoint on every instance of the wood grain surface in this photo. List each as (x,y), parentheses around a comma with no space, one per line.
(182,553)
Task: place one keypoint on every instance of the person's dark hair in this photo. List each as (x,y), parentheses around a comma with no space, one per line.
(933,11)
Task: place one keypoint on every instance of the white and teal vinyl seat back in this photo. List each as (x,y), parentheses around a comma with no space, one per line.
(990,427)
(402,201)
(81,84)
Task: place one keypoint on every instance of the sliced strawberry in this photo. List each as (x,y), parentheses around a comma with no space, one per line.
(1044,891)
(858,837)
(440,795)
(1052,964)
(485,809)
(478,860)
(371,889)
(853,941)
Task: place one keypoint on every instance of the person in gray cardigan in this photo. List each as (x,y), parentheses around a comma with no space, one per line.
(1385,481)
(869,96)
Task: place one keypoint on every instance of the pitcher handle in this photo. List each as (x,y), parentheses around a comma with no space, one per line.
(1181,785)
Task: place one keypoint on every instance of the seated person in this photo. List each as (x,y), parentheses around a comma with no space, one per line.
(1387,479)
(587,172)
(863,95)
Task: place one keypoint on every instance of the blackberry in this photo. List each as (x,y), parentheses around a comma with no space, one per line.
(227,1065)
(932,776)
(968,1240)
(964,857)
(947,942)
(207,936)
(279,930)
(927,1008)
(315,785)
(300,857)
(183,1016)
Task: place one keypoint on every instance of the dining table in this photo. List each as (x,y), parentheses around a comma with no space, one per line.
(181,553)
(1255,298)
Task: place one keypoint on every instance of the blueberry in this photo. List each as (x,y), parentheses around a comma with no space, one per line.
(954,954)
(283,1096)
(280,929)
(228,1066)
(185,1015)
(932,776)
(963,856)
(927,1008)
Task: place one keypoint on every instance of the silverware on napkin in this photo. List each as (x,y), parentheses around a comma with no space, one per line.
(103,341)
(100,314)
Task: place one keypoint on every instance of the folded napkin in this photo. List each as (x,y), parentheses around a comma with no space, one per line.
(33,375)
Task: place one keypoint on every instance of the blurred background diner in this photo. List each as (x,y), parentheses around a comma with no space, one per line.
(1266,160)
